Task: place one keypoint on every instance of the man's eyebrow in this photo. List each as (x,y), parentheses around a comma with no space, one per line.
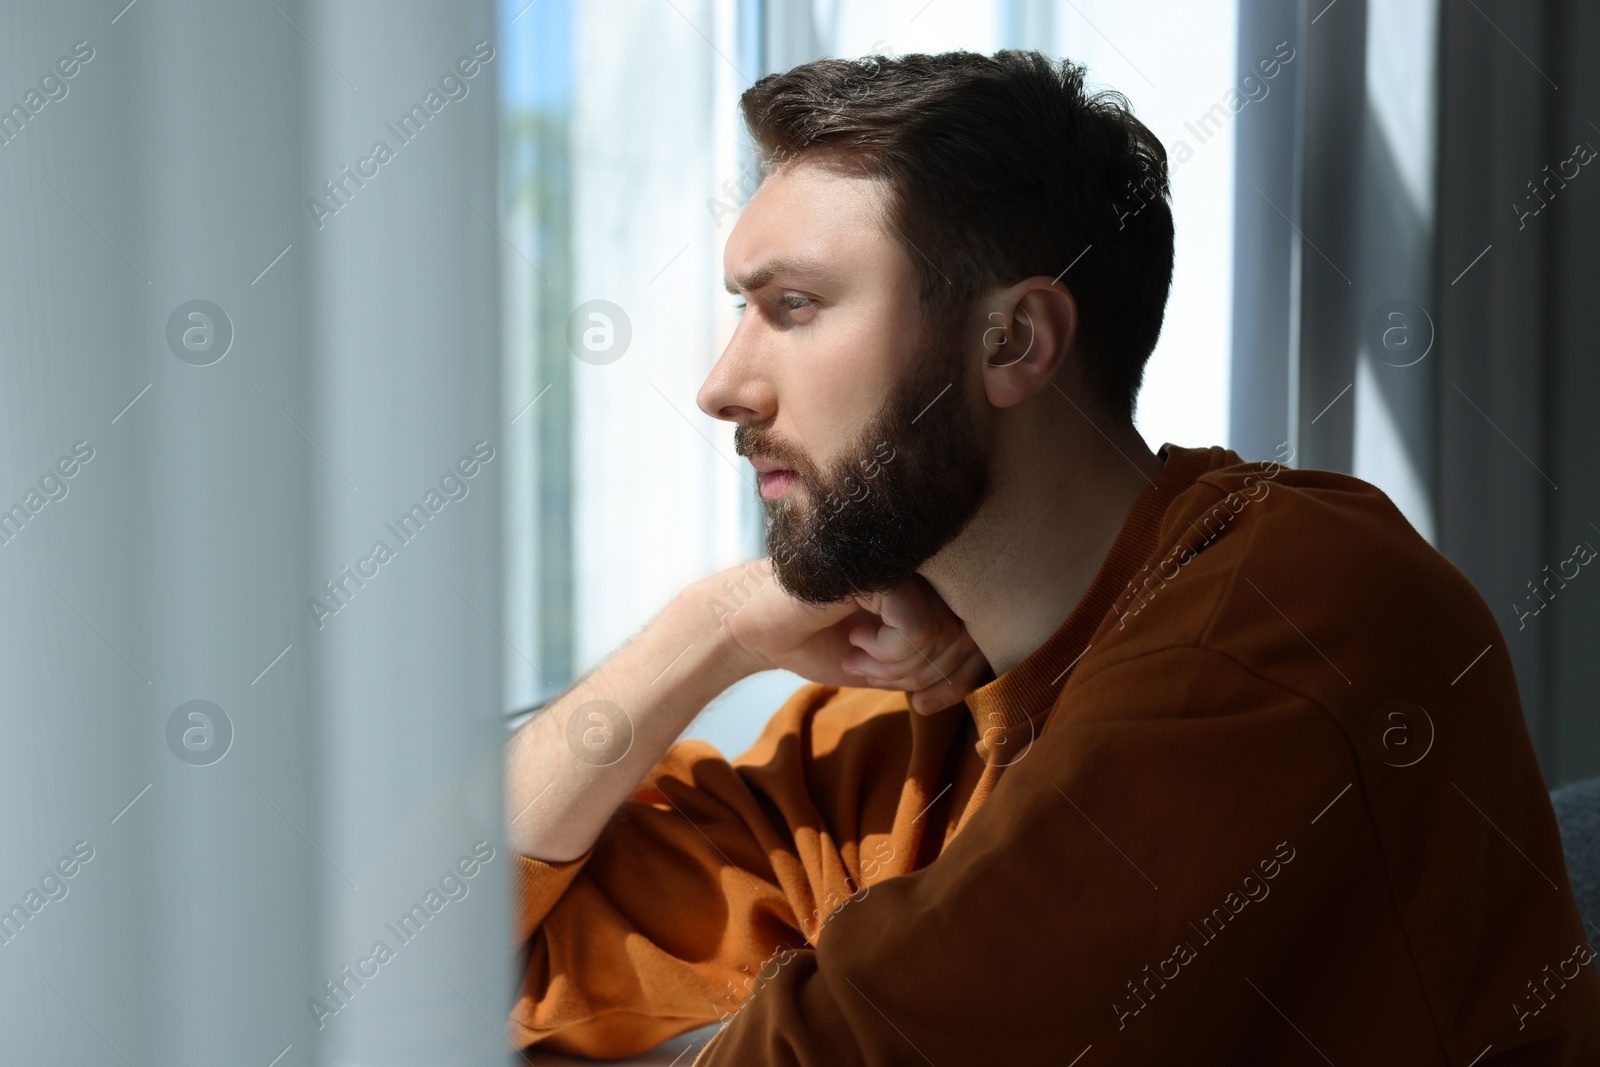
(762,276)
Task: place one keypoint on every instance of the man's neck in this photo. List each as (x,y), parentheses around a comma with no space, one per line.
(1020,567)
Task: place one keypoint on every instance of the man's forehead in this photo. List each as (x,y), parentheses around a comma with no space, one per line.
(804,221)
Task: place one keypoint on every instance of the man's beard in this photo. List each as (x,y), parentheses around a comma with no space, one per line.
(906,486)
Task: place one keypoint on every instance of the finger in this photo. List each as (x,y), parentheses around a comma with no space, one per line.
(914,608)
(911,621)
(890,652)
(891,645)
(929,671)
(921,669)
(904,609)
(951,690)
(870,601)
(948,689)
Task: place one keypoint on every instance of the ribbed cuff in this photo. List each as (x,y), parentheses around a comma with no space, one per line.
(535,888)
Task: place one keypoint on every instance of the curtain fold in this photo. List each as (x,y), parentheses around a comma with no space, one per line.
(272,341)
(1409,309)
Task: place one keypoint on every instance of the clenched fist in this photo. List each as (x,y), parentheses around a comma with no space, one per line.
(906,639)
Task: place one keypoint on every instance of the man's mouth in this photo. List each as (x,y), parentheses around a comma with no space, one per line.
(775,479)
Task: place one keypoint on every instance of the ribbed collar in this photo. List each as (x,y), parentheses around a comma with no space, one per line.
(1027,691)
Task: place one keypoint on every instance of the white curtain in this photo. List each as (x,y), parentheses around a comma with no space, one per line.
(231,464)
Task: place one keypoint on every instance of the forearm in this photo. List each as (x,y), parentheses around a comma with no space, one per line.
(564,779)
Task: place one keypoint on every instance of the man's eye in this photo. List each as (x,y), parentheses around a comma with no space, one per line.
(779,305)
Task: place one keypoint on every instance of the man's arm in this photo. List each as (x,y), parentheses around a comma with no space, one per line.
(1185,867)
(1134,813)
(557,800)
(654,903)
(564,779)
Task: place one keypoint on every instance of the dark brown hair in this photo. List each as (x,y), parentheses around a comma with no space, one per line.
(1000,168)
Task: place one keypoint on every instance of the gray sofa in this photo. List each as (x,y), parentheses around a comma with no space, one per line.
(1578,813)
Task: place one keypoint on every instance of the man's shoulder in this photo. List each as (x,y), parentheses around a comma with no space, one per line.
(1322,537)
(1338,512)
(1304,576)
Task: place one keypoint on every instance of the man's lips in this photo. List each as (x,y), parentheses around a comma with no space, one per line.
(775,483)
(775,479)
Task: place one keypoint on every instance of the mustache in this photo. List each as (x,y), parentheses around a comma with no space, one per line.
(751,441)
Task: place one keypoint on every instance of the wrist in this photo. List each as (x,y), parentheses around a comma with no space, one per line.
(708,615)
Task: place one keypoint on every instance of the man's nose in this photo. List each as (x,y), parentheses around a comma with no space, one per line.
(736,390)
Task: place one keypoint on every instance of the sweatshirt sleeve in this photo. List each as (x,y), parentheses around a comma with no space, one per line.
(659,927)
(1182,868)
(535,888)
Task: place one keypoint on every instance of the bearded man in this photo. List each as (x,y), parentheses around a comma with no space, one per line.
(1107,756)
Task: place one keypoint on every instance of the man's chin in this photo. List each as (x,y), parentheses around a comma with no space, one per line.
(794,504)
(821,583)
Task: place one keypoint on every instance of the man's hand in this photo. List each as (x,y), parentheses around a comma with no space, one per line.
(560,793)
(906,639)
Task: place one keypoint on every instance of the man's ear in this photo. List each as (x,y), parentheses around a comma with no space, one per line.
(1030,329)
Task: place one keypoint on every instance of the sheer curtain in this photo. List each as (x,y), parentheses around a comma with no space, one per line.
(251,742)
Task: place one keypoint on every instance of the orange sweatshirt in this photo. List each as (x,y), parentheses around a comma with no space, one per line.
(1266,797)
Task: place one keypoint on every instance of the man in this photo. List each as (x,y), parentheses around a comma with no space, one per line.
(1109,756)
